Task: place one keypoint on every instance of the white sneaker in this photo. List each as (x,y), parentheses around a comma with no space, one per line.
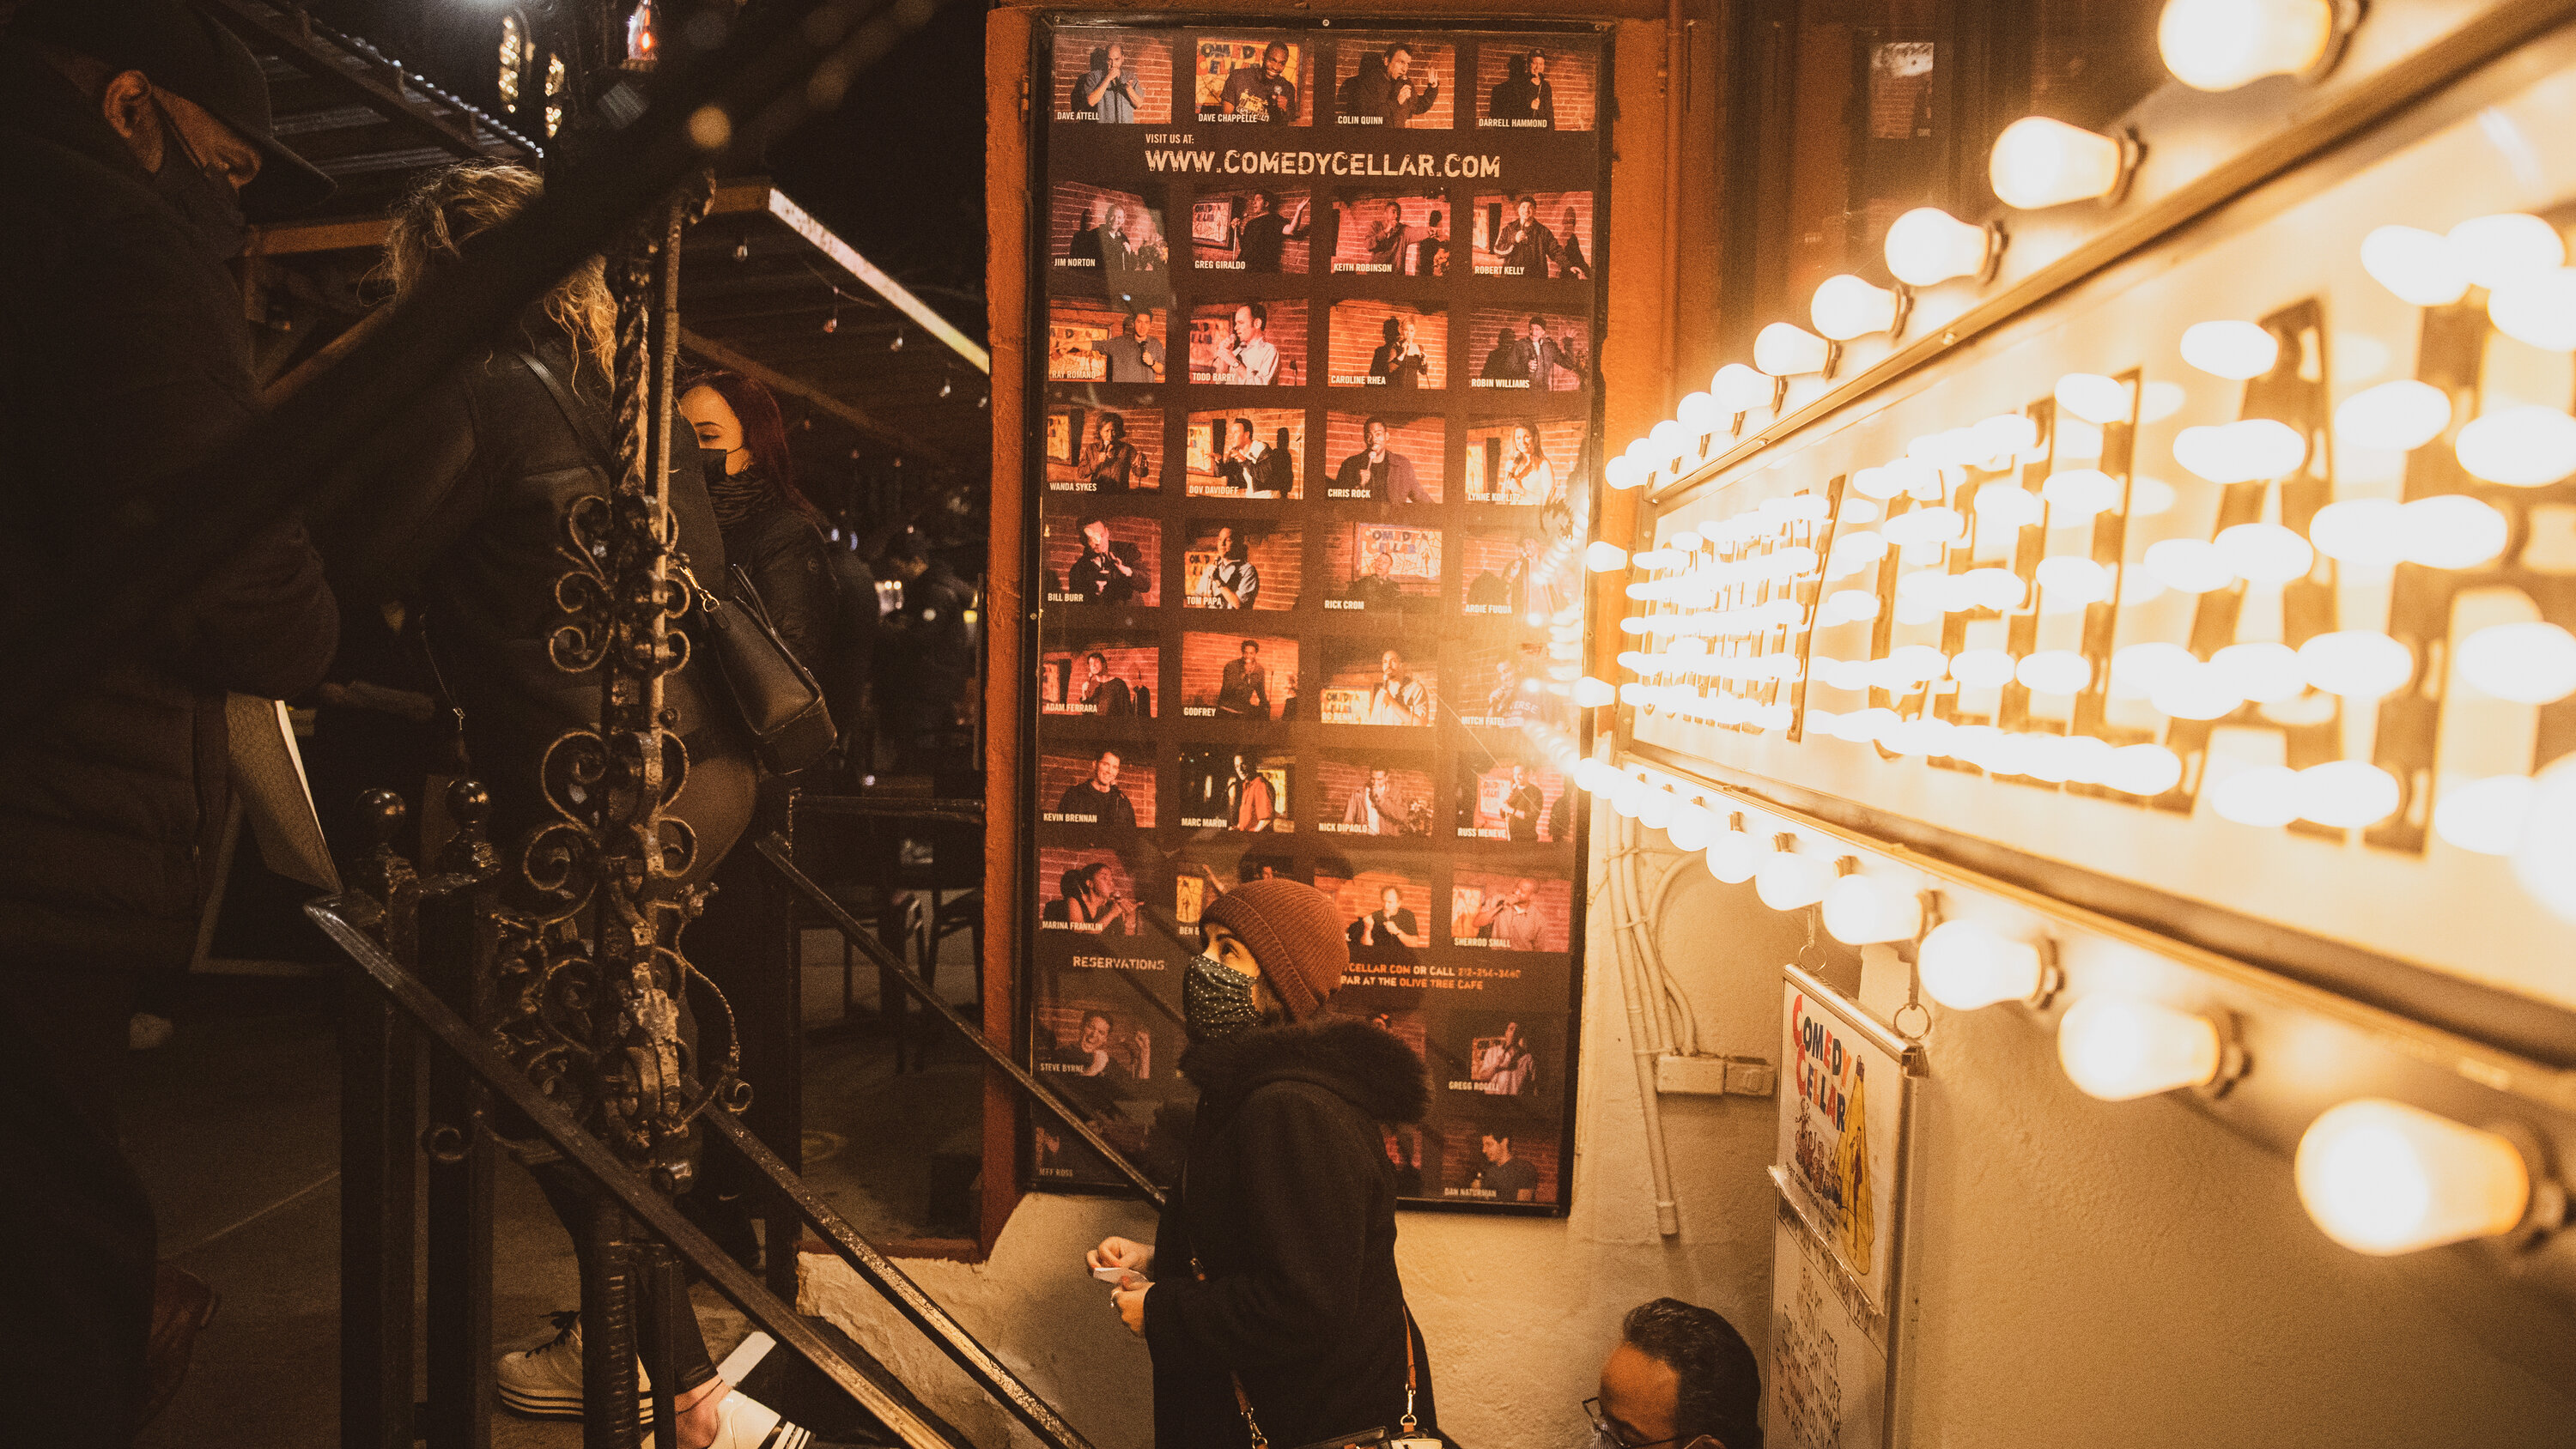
(744,1422)
(545,1381)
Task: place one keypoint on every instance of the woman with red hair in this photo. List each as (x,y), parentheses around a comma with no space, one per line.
(769,527)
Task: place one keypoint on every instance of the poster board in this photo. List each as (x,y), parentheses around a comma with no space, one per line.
(1251,142)
(1839,1166)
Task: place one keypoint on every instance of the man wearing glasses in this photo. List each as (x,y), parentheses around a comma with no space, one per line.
(1681,1378)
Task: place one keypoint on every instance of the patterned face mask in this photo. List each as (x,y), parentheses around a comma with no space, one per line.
(1216,1000)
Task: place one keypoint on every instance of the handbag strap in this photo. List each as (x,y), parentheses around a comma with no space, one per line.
(584,426)
(1243,1401)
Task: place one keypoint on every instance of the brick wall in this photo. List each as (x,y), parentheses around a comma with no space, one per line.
(1356,895)
(1071,212)
(1559,439)
(1350,547)
(1462,1154)
(1566,213)
(1555,900)
(1337,780)
(1496,781)
(1419,441)
(1292,254)
(1489,327)
(1430,62)
(1279,553)
(1353,664)
(1058,773)
(1135,663)
(1576,80)
(1359,329)
(1144,429)
(1149,64)
(1055,860)
(1478,668)
(1207,437)
(1358,214)
(1062,545)
(1204,657)
(1076,321)
(1131,1044)
(1286,329)
(1198,786)
(1215,56)
(1488,553)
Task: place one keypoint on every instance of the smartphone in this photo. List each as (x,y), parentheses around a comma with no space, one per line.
(1114,1275)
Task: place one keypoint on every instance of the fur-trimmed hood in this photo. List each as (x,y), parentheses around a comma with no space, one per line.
(1365,1066)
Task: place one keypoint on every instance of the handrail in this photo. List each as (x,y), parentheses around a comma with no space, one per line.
(774,849)
(876,1390)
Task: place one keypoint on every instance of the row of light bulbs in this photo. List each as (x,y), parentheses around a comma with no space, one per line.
(2376,1175)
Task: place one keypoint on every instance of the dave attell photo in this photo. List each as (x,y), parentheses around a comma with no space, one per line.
(1385,909)
(1245,678)
(1534,351)
(1510,911)
(1394,82)
(1092,558)
(1105,676)
(1518,800)
(1539,235)
(1103,450)
(1089,890)
(1256,80)
(1503,684)
(1371,683)
(1521,460)
(1263,231)
(1245,452)
(1379,568)
(1097,341)
(1498,1054)
(1124,80)
(1248,344)
(1201,874)
(1109,787)
(1384,794)
(1393,233)
(1536,88)
(1507,1158)
(1243,564)
(1241,788)
(1388,344)
(1108,242)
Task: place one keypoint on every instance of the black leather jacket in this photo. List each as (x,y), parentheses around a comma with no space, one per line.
(791,566)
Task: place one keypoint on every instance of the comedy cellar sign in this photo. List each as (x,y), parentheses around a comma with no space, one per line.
(1320,394)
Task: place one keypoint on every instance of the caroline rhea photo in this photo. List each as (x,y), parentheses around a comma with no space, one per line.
(1245,678)
(1240,563)
(1382,794)
(1109,242)
(1530,350)
(1533,86)
(1399,233)
(1381,567)
(1510,910)
(1118,80)
(1109,786)
(1103,449)
(1265,231)
(1102,675)
(1097,558)
(1242,788)
(1402,345)
(1394,83)
(1522,460)
(1248,343)
(1384,457)
(1539,235)
(1245,452)
(1254,80)
(1092,340)
(1367,682)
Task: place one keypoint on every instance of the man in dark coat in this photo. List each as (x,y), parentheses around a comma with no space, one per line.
(1274,1266)
(137,133)
(1524,97)
(1384,90)
(931,661)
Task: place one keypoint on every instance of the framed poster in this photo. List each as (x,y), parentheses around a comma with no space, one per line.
(1322,651)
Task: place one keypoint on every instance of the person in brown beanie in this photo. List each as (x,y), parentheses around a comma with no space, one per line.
(1269,1295)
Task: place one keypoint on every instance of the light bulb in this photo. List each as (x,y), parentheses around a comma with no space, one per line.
(2235,350)
(2199,692)
(2395,416)
(1846,307)
(2496,250)
(1877,482)
(1591,693)
(2141,667)
(1860,911)
(2415,265)
(1657,811)
(1628,796)
(2093,397)
(2266,553)
(2453,531)
(2382,1177)
(1734,856)
(2218,45)
(2538,308)
(2544,860)
(2521,447)
(1788,881)
(1982,668)
(2055,671)
(1966,966)
(2075,495)
(1623,471)
(1668,438)
(1860,510)
(2243,451)
(2119,1049)
(2038,162)
(2347,794)
(1690,828)
(2007,507)
(1928,246)
(1740,389)
(2532,663)
(2071,582)
(1602,556)
(1698,413)
(1784,349)
(2356,663)
(2263,672)
(2002,437)
(2149,496)
(1919,480)
(2265,796)
(2487,816)
(2143,770)
(2362,531)
(2188,565)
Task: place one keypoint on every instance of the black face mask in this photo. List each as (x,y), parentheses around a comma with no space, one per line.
(208,204)
(1216,1000)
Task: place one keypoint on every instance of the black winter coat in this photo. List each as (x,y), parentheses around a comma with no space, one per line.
(1287,1206)
(784,553)
(124,358)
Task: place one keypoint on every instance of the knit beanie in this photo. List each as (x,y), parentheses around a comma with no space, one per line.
(1294,933)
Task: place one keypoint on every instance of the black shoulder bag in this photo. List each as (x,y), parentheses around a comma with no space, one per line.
(773,693)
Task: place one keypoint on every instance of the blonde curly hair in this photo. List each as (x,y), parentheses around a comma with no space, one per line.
(453,205)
